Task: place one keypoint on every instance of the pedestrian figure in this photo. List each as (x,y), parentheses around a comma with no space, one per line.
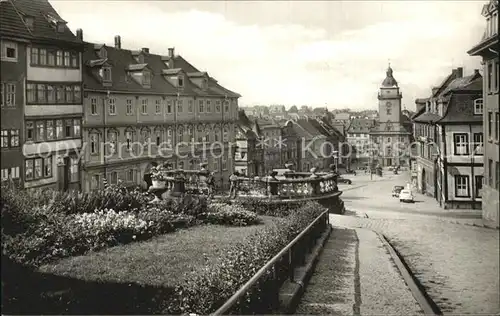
(211,184)
(233,179)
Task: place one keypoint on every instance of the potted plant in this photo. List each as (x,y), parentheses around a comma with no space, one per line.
(158,177)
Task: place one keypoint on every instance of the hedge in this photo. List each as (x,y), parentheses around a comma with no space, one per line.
(203,292)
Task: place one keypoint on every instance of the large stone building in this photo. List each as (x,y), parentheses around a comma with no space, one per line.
(41,74)
(149,108)
(391,134)
(487,48)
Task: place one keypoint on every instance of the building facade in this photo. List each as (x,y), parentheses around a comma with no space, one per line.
(390,135)
(141,107)
(450,142)
(487,49)
(358,138)
(48,96)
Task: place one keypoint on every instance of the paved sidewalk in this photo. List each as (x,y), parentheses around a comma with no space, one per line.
(356,275)
(457,264)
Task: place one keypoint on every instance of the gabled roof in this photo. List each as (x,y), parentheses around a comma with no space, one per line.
(136,67)
(12,23)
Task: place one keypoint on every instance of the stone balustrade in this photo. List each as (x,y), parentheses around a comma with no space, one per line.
(291,186)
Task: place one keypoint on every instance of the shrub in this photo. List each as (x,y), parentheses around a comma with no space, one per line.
(203,292)
(233,215)
(268,208)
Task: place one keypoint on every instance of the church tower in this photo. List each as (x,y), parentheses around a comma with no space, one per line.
(389,100)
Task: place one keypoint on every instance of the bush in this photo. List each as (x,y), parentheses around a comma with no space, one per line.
(231,215)
(203,292)
(268,208)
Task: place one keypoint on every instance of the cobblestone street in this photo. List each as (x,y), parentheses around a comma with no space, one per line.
(456,262)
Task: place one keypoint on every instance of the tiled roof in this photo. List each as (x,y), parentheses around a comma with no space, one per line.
(460,83)
(362,126)
(120,60)
(42,12)
(123,61)
(304,129)
(427,117)
(464,111)
(11,23)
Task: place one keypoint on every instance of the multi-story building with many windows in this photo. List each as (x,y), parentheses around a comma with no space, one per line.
(141,108)
(487,48)
(41,96)
(450,138)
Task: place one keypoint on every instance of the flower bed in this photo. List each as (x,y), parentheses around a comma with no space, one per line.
(40,226)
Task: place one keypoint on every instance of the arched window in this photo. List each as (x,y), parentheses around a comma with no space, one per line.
(190,134)
(112,140)
(180,134)
(158,135)
(200,133)
(478,106)
(225,135)
(146,134)
(216,133)
(169,135)
(129,137)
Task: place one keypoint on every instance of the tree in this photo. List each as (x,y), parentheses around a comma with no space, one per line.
(293,109)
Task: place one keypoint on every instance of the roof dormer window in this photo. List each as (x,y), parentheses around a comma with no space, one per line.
(205,84)
(61,27)
(105,73)
(103,53)
(146,78)
(180,81)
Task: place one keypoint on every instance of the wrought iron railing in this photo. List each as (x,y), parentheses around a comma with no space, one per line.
(269,279)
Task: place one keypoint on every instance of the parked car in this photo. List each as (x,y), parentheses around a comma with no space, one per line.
(397,189)
(406,196)
(343,180)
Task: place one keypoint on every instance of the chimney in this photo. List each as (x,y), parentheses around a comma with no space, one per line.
(145,50)
(79,34)
(118,42)
(460,72)
(171,52)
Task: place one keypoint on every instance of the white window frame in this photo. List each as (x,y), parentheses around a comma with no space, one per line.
(10,94)
(158,107)
(112,106)
(478,106)
(129,107)
(93,106)
(106,74)
(190,106)
(461,147)
(144,106)
(478,145)
(74,169)
(462,183)
(201,106)
(94,137)
(8,44)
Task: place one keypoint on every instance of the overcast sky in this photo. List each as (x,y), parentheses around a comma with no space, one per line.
(318,53)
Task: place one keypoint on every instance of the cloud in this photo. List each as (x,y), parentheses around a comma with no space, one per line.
(292,63)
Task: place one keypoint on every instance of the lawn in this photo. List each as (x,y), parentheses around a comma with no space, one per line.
(160,261)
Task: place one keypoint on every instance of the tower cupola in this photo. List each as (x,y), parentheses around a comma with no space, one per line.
(389,80)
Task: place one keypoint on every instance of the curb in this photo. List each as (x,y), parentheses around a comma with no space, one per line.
(428,306)
(291,291)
